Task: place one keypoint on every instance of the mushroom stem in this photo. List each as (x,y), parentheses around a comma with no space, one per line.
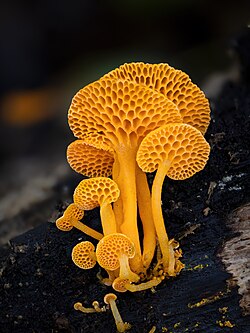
(143,286)
(117,205)
(112,275)
(125,271)
(78,306)
(157,213)
(87,230)
(127,185)
(144,204)
(97,308)
(108,219)
(171,266)
(120,325)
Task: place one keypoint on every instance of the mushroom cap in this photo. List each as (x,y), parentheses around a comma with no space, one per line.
(64,223)
(182,145)
(109,297)
(94,192)
(89,160)
(71,213)
(119,285)
(111,247)
(83,255)
(120,111)
(172,83)
(98,141)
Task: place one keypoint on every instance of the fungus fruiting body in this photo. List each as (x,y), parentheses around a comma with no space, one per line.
(120,325)
(89,160)
(71,218)
(178,151)
(114,251)
(136,119)
(98,191)
(83,255)
(79,307)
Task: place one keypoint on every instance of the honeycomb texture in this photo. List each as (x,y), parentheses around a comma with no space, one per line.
(83,255)
(98,141)
(71,213)
(180,144)
(94,192)
(111,247)
(120,111)
(88,160)
(172,83)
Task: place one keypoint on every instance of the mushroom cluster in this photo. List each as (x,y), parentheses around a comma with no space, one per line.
(137,119)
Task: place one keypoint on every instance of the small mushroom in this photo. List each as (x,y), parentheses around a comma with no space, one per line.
(120,325)
(71,218)
(93,157)
(83,255)
(97,307)
(79,307)
(120,285)
(175,150)
(89,160)
(114,251)
(98,191)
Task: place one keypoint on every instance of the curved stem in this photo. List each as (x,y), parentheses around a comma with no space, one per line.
(143,286)
(79,307)
(145,210)
(127,185)
(108,219)
(125,271)
(157,213)
(120,325)
(87,230)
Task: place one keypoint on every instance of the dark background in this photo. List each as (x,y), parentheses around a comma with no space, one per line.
(50,49)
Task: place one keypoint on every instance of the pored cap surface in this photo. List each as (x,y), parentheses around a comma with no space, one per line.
(181,144)
(94,192)
(172,83)
(120,111)
(71,213)
(82,255)
(111,247)
(89,160)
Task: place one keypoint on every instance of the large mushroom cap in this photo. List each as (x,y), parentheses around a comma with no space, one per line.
(111,247)
(120,111)
(72,213)
(182,145)
(94,192)
(83,255)
(89,160)
(172,83)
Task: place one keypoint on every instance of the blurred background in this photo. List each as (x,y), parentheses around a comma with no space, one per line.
(49,50)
